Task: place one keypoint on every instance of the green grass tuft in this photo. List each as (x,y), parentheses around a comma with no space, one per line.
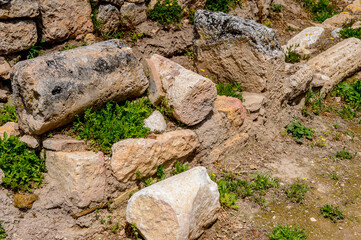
(7,114)
(230,90)
(288,233)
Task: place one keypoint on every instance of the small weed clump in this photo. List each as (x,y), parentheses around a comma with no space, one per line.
(180,168)
(315,104)
(288,233)
(277,8)
(114,122)
(319,9)
(351,94)
(7,114)
(230,90)
(160,176)
(68,47)
(166,12)
(22,168)
(349,32)
(343,155)
(3,234)
(222,5)
(331,212)
(334,176)
(292,56)
(296,192)
(299,131)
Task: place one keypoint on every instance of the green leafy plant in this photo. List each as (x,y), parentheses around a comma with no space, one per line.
(296,192)
(102,128)
(160,173)
(277,7)
(8,114)
(347,113)
(331,212)
(299,131)
(314,103)
(349,32)
(166,12)
(3,234)
(319,9)
(344,155)
(68,47)
(334,176)
(134,230)
(180,168)
(287,232)
(35,51)
(22,168)
(222,5)
(292,56)
(268,23)
(230,90)
(262,181)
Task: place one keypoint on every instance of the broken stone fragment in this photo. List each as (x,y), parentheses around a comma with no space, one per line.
(253,102)
(233,107)
(299,82)
(156,122)
(80,78)
(304,40)
(147,154)
(62,143)
(19,9)
(190,95)
(180,207)
(10,128)
(4,69)
(108,15)
(23,201)
(30,141)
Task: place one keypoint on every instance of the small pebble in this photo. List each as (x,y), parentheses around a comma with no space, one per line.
(313,219)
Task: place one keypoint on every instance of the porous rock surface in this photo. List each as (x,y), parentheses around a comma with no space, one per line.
(4,69)
(50,90)
(189,94)
(145,155)
(19,9)
(304,40)
(298,82)
(180,207)
(233,108)
(109,16)
(230,48)
(118,3)
(156,122)
(17,35)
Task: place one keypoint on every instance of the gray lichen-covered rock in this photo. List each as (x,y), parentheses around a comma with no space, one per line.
(108,15)
(118,3)
(134,13)
(230,48)
(16,36)
(180,207)
(62,19)
(19,9)
(50,90)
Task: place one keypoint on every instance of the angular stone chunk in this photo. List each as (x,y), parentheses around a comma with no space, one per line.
(30,141)
(145,155)
(229,48)
(19,9)
(62,143)
(4,69)
(50,90)
(180,207)
(304,40)
(189,94)
(338,62)
(16,36)
(63,19)
(108,15)
(299,82)
(10,128)
(232,107)
(118,3)
(253,102)
(81,175)
(156,122)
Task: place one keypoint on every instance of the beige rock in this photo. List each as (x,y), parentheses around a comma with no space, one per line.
(24,202)
(156,122)
(180,207)
(299,82)
(118,3)
(4,95)
(63,19)
(356,25)
(147,154)
(156,93)
(355,7)
(108,16)
(338,62)
(10,128)
(229,48)
(30,141)
(80,175)
(189,94)
(2,174)
(253,102)
(338,20)
(319,80)
(134,13)
(17,35)
(19,9)
(61,143)
(193,4)
(233,107)
(80,78)
(90,39)
(4,69)
(304,40)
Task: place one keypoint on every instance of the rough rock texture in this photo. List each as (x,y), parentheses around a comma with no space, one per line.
(4,1)
(355,7)
(63,19)
(338,62)
(23,201)
(4,95)
(147,154)
(16,35)
(193,4)
(233,108)
(156,122)
(2,174)
(4,69)
(134,13)
(30,141)
(319,80)
(10,128)
(180,207)
(90,39)
(19,9)
(118,3)
(156,93)
(338,20)
(253,102)
(108,15)
(298,82)
(304,40)
(50,90)
(189,94)
(61,143)
(80,175)
(234,49)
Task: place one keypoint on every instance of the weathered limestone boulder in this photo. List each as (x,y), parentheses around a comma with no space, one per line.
(145,155)
(338,62)
(19,9)
(16,35)
(319,80)
(189,94)
(108,15)
(338,20)
(134,13)
(118,3)
(230,48)
(156,122)
(180,207)
(4,69)
(355,7)
(253,102)
(298,82)
(63,19)
(30,141)
(80,175)
(233,108)
(10,128)
(62,143)
(304,40)
(50,90)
